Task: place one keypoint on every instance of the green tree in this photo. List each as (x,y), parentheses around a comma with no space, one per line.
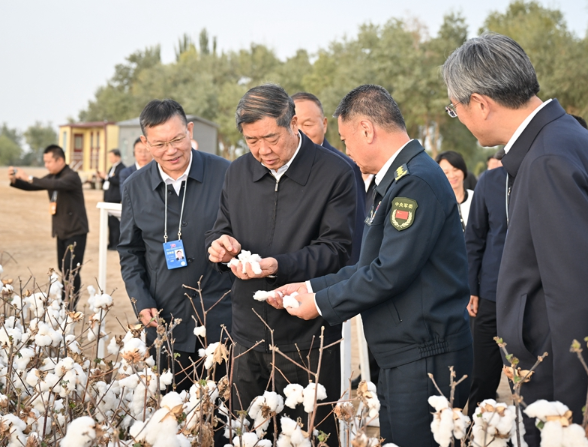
(38,137)
(10,149)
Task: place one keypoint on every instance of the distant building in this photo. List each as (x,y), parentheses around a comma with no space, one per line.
(86,145)
(205,133)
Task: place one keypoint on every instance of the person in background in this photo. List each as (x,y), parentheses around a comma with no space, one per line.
(541,303)
(470,181)
(581,120)
(455,169)
(485,234)
(69,221)
(142,157)
(111,187)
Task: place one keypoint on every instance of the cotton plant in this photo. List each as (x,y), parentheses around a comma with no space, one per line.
(447,422)
(81,432)
(263,408)
(214,353)
(554,419)
(292,434)
(244,258)
(494,424)
(309,395)
(369,402)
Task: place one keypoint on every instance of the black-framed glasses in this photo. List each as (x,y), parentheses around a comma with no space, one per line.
(451,111)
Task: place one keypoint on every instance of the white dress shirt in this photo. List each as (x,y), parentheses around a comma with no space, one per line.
(278,173)
(177,183)
(523,126)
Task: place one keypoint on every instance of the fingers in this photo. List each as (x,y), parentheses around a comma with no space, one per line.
(148,317)
(277,302)
(289,289)
(223,249)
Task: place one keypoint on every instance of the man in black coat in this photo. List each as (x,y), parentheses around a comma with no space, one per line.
(189,183)
(485,234)
(111,187)
(293,203)
(142,157)
(410,283)
(69,221)
(541,300)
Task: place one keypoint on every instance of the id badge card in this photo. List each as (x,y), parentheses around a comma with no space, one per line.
(175,256)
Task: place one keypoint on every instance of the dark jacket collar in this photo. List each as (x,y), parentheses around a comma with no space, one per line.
(328,145)
(406,154)
(512,161)
(299,170)
(196,170)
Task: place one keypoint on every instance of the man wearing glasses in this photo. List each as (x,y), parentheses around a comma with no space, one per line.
(167,208)
(541,303)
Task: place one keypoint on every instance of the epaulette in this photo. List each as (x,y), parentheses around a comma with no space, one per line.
(401,172)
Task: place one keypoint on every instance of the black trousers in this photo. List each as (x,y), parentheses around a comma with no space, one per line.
(487,360)
(405,413)
(113,232)
(251,377)
(65,260)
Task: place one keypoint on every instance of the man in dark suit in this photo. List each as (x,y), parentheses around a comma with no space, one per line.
(111,187)
(312,121)
(293,203)
(69,221)
(541,300)
(410,283)
(184,185)
(142,157)
(485,234)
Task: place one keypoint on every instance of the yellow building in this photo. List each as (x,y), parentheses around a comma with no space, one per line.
(86,145)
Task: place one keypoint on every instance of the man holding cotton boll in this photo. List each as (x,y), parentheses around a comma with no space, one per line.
(290,204)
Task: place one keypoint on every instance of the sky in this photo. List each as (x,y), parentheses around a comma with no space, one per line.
(54,55)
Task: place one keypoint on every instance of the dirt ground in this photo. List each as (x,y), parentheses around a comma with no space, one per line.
(25,233)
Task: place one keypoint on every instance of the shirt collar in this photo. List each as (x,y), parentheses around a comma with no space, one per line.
(523,126)
(177,184)
(382,172)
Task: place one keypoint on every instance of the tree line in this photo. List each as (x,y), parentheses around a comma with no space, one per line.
(399,55)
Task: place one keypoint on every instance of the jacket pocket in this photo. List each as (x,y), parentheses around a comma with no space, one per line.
(520,350)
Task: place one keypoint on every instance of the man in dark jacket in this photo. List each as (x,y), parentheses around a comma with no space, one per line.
(541,303)
(410,283)
(142,157)
(111,187)
(312,121)
(184,185)
(485,234)
(293,203)
(69,221)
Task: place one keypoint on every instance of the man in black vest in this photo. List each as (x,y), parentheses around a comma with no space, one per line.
(69,221)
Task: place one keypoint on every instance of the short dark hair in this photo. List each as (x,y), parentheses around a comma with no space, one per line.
(137,141)
(55,150)
(493,65)
(305,96)
(157,112)
(116,152)
(267,100)
(373,102)
(581,120)
(455,159)
(497,155)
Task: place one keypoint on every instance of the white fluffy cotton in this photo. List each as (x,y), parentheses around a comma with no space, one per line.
(80,432)
(308,395)
(245,257)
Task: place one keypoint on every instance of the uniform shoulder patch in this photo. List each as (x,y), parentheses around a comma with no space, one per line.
(400,172)
(403,212)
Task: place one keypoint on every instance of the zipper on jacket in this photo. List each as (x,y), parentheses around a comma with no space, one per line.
(275,215)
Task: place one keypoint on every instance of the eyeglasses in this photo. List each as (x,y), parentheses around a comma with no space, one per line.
(450,109)
(173,143)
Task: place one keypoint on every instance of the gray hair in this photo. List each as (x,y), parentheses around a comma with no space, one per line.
(267,100)
(493,65)
(373,102)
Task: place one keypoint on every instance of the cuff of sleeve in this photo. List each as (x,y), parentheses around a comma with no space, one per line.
(308,286)
(318,309)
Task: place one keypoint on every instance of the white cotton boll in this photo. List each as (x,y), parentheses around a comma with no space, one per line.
(298,439)
(389,444)
(246,440)
(438,402)
(540,409)
(200,331)
(80,432)
(288,425)
(26,354)
(150,361)
(132,345)
(264,443)
(291,301)
(294,395)
(138,432)
(309,393)
(166,379)
(574,436)
(255,407)
(162,430)
(552,434)
(263,295)
(209,353)
(113,347)
(171,400)
(72,344)
(91,291)
(274,401)
(284,441)
(460,424)
(129,382)
(183,441)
